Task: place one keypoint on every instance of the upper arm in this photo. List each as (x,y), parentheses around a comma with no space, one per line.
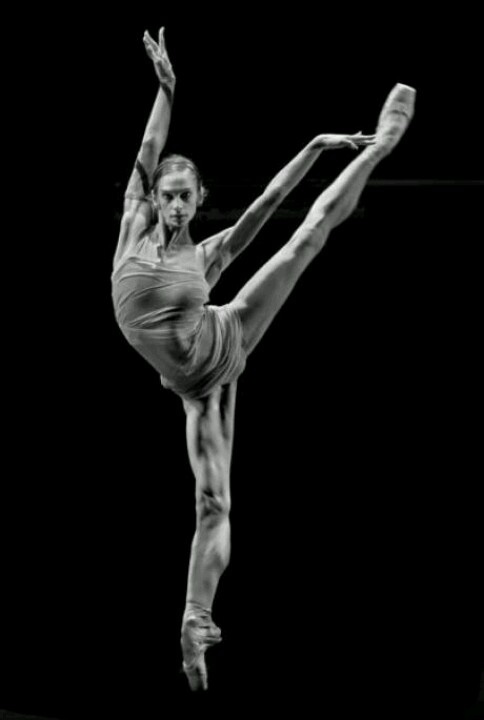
(137,210)
(214,254)
(248,225)
(219,250)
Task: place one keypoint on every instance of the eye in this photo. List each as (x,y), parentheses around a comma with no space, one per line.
(167,196)
(186,195)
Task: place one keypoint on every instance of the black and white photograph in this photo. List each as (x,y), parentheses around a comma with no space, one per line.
(242,389)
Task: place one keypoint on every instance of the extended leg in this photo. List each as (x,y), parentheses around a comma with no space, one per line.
(262,297)
(210,425)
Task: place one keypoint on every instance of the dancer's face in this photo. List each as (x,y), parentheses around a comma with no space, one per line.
(178,197)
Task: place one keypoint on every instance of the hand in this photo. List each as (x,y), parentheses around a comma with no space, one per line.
(157,53)
(334,142)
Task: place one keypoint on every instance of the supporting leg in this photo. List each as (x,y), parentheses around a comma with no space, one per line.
(210,425)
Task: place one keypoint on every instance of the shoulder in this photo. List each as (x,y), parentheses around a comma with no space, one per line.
(135,234)
(138,212)
(214,257)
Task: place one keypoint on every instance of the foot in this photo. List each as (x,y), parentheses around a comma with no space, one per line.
(395,117)
(199,632)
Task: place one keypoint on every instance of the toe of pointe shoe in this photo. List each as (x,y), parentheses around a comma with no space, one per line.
(400,100)
(196,674)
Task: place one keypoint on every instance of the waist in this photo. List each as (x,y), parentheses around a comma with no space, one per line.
(172,348)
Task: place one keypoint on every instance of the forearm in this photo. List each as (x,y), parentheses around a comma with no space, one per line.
(287,179)
(156,132)
(243,232)
(260,211)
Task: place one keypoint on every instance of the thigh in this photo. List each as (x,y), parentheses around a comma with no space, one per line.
(263,296)
(209,433)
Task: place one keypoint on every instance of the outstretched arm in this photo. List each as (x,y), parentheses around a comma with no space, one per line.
(137,205)
(222,248)
(156,132)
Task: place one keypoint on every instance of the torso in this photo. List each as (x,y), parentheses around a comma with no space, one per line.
(160,287)
(158,303)
(150,247)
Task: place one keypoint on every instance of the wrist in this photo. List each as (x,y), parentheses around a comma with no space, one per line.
(318,143)
(168,87)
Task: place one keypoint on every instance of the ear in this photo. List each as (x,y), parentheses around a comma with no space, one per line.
(202,194)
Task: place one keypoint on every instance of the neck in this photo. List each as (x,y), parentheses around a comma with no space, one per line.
(171,237)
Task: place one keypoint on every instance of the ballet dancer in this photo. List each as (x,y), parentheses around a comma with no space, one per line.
(161,282)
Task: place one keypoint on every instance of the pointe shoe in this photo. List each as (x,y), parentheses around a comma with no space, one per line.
(199,632)
(396,115)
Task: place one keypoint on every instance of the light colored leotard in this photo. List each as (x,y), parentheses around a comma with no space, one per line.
(160,302)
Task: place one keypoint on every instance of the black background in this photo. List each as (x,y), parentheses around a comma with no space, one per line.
(355,484)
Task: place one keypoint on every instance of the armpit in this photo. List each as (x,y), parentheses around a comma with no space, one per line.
(214,271)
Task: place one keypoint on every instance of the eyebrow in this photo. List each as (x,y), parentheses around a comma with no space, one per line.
(169,190)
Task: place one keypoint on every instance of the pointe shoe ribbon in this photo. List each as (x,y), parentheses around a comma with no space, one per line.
(200,634)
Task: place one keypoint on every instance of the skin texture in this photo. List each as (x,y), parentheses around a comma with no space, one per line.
(210,421)
(177,199)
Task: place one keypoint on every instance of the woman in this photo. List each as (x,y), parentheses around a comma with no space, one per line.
(161,282)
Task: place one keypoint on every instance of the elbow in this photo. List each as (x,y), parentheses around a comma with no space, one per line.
(150,150)
(273,196)
(149,143)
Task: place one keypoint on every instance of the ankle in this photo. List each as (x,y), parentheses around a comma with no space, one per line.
(194,606)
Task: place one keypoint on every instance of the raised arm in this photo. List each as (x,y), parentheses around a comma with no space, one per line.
(225,246)
(137,204)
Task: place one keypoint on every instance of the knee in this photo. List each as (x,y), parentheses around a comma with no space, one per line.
(311,236)
(213,508)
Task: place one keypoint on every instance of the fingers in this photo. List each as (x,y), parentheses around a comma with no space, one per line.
(162,44)
(358,137)
(358,140)
(147,38)
(150,44)
(156,50)
(361,140)
(158,55)
(149,51)
(161,40)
